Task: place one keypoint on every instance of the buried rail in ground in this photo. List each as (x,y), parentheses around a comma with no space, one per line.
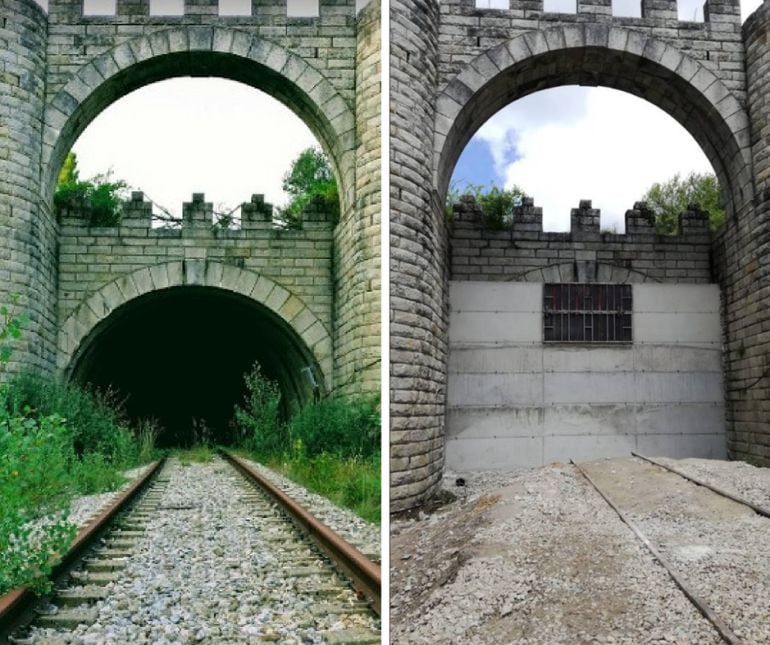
(706,611)
(17,601)
(760,510)
(363,573)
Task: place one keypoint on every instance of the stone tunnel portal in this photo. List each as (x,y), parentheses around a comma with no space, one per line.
(179,355)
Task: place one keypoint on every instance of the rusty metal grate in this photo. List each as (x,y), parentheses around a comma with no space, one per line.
(587,313)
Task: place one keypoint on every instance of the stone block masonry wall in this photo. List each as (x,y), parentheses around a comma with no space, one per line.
(326,42)
(523,252)
(467,31)
(27,230)
(357,236)
(418,261)
(743,268)
(298,260)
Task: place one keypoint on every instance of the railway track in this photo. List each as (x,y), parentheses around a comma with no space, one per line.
(204,553)
(697,532)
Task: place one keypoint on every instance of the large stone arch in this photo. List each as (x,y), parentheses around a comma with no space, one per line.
(598,54)
(96,308)
(201,51)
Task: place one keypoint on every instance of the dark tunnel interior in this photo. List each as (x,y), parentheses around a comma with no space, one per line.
(179,356)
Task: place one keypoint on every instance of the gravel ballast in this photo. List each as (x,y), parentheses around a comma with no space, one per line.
(216,566)
(537,556)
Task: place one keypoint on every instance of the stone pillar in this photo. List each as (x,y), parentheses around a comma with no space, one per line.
(418,260)
(357,236)
(742,266)
(27,228)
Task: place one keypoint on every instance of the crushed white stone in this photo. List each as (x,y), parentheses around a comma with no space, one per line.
(536,556)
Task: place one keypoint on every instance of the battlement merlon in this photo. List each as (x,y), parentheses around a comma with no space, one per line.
(585,221)
(197,12)
(256,214)
(725,14)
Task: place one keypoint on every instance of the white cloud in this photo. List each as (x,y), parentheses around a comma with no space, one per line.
(610,149)
(187,135)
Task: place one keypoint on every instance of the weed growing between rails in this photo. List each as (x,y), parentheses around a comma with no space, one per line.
(331,447)
(57,441)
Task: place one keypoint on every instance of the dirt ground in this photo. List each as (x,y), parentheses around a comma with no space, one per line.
(537,556)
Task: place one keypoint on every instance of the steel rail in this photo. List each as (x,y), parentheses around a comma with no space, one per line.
(16,601)
(760,510)
(708,613)
(365,575)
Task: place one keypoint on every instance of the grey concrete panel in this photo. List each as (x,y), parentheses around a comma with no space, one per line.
(505,327)
(493,454)
(491,423)
(676,328)
(677,358)
(588,359)
(496,296)
(587,419)
(494,389)
(597,387)
(706,446)
(676,298)
(689,387)
(584,447)
(508,359)
(693,418)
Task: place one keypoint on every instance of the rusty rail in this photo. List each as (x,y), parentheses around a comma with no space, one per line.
(760,510)
(365,574)
(706,611)
(17,600)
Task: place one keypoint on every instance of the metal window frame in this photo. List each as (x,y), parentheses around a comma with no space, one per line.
(588,313)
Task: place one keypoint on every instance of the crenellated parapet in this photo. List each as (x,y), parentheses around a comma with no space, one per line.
(522,250)
(299,259)
(199,219)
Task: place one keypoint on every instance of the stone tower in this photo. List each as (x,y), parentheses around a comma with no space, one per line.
(27,230)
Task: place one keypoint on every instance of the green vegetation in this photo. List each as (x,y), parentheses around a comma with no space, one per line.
(671,198)
(98,199)
(331,447)
(309,178)
(198,454)
(498,205)
(57,441)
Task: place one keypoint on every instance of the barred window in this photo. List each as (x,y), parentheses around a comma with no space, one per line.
(587,313)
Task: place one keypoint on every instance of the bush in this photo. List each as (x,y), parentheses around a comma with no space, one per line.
(96,418)
(338,426)
(497,204)
(34,482)
(258,421)
(99,199)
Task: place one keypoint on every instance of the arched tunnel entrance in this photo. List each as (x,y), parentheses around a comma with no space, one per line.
(179,356)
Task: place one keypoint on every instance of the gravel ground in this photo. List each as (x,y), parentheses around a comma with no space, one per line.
(212,567)
(741,479)
(364,535)
(720,547)
(541,560)
(82,509)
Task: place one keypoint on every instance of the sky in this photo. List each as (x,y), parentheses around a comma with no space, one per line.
(187,135)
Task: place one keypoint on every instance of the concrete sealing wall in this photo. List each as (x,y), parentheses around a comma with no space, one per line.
(516,401)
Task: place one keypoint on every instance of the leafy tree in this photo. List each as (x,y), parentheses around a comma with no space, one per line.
(310,177)
(497,204)
(99,199)
(672,197)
